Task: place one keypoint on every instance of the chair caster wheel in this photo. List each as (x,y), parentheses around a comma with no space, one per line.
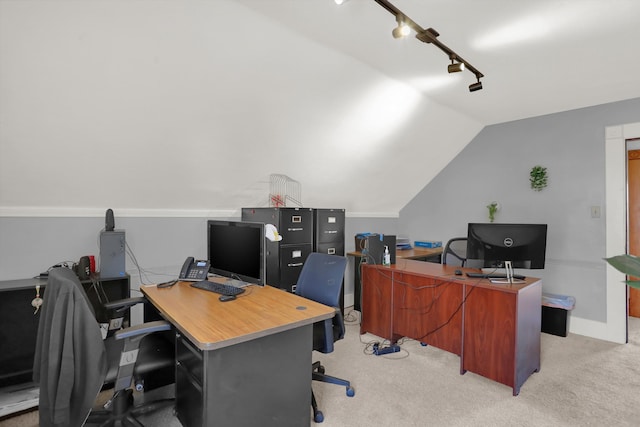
(321,369)
(424,344)
(350,391)
(318,417)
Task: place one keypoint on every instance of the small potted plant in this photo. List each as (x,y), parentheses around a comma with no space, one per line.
(493,208)
(629,265)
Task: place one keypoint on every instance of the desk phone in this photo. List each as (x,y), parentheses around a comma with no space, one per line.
(194,270)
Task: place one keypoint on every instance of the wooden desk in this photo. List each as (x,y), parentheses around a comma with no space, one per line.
(494,328)
(421,254)
(245,362)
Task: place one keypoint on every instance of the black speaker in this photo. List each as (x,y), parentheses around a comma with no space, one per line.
(109,222)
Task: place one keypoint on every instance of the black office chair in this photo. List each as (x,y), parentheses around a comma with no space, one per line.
(73,363)
(455,252)
(321,280)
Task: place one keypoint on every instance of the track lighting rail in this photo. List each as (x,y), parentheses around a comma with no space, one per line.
(430,35)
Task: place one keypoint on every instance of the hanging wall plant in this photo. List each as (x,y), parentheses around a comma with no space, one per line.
(538,178)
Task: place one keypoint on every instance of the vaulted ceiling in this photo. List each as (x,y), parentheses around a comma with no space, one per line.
(181,106)
(538,56)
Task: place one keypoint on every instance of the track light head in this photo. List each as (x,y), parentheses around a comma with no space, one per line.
(455,67)
(475,86)
(402,30)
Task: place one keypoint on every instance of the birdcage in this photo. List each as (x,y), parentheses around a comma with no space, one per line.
(284,191)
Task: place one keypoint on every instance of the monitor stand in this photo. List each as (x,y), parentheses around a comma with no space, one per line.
(509,269)
(509,276)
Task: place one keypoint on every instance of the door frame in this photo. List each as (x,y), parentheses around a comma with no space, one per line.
(633,244)
(615,328)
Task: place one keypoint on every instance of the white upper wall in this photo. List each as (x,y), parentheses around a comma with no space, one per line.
(169,106)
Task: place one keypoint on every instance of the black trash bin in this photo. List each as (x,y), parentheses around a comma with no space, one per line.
(555,313)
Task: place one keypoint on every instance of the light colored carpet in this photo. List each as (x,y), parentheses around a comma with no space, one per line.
(582,382)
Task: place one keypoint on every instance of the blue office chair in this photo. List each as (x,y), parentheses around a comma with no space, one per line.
(73,363)
(321,280)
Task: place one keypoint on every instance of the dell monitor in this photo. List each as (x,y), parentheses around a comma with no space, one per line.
(236,249)
(489,245)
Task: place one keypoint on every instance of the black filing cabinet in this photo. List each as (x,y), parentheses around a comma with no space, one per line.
(328,231)
(285,258)
(328,236)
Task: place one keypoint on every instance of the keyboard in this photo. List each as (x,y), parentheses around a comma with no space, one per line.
(219,288)
(493,276)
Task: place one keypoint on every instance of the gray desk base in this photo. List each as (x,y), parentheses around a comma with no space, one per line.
(262,382)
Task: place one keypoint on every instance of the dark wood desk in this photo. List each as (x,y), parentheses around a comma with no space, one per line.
(245,362)
(494,328)
(421,254)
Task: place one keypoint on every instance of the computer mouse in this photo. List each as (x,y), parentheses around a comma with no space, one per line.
(458,272)
(225,298)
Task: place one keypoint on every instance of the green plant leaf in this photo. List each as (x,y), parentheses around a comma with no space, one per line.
(627,264)
(633,283)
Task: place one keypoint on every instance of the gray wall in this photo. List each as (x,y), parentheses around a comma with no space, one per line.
(495,167)
(30,245)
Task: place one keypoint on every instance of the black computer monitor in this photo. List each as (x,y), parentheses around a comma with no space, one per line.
(236,249)
(489,245)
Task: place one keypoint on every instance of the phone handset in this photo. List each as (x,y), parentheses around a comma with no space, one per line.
(194,270)
(185,267)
